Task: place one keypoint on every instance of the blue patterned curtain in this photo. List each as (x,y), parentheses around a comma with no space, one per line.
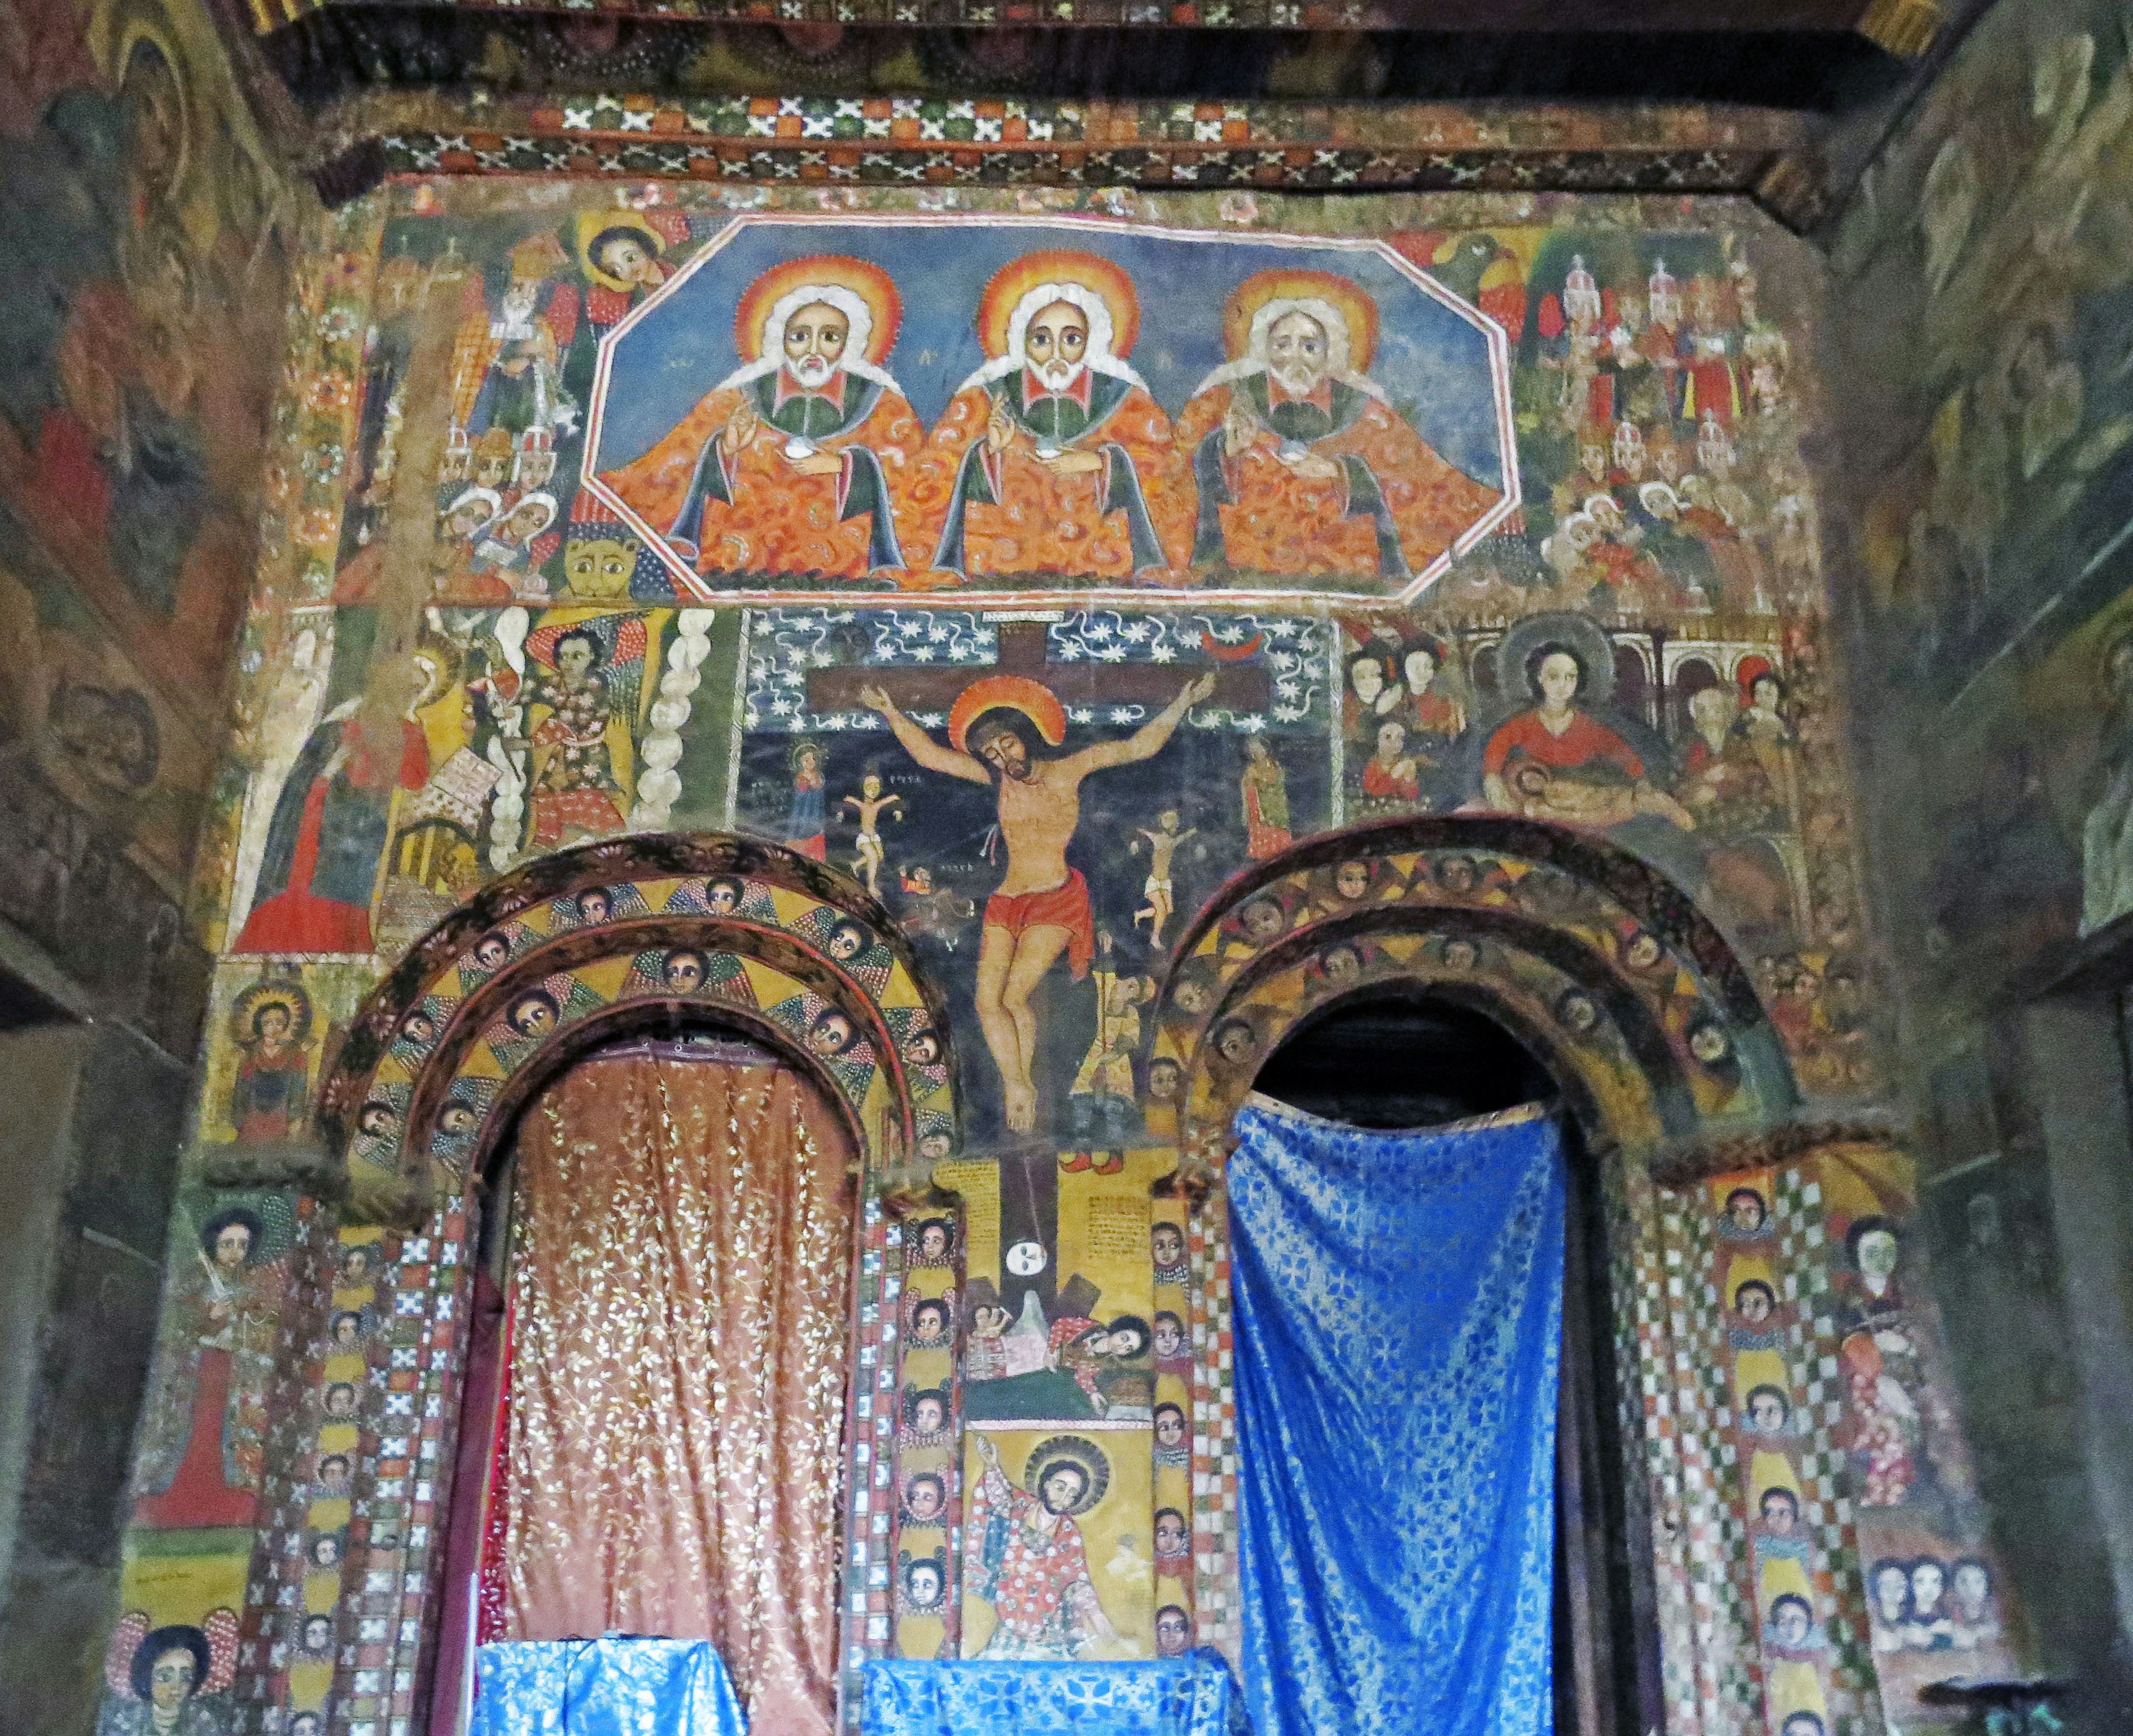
(616,1686)
(1182,1696)
(1399,1308)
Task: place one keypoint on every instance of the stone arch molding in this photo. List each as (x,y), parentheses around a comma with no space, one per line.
(546,962)
(1635,1002)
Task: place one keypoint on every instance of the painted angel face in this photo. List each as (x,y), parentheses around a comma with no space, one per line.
(173,1679)
(627,259)
(599,570)
(233,1246)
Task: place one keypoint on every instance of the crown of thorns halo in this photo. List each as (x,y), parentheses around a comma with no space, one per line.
(1110,283)
(873,287)
(1035,701)
(1083,1454)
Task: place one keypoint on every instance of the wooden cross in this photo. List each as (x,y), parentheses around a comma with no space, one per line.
(1239,687)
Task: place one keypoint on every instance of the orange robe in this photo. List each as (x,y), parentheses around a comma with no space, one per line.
(1008,513)
(752,512)
(1391,508)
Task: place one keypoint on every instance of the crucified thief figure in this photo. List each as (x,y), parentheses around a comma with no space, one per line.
(1041,907)
(1161,889)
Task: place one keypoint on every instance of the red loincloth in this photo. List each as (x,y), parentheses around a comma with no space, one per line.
(1065,906)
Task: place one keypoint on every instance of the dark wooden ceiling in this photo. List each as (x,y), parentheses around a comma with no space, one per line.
(1781,100)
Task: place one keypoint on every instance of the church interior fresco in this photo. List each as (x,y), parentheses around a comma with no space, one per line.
(1575,580)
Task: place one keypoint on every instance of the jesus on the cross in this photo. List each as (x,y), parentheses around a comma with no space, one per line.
(1041,907)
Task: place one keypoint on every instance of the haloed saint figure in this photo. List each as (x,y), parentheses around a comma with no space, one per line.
(799,461)
(204,1428)
(1034,1568)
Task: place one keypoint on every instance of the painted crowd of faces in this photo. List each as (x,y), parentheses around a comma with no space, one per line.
(1651,398)
(1348,442)
(1995,256)
(1692,752)
(1929,1581)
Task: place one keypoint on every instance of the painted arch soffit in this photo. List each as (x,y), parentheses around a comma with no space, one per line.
(1593,957)
(611,937)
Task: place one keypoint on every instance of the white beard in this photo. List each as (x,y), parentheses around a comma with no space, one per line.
(1058,376)
(1296,382)
(812,370)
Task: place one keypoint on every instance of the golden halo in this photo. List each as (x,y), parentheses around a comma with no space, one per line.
(1349,300)
(1077,1450)
(290,996)
(1035,701)
(1015,279)
(591,225)
(869,282)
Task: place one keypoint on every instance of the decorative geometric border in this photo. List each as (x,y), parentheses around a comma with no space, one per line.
(576,925)
(1215,1577)
(1532,898)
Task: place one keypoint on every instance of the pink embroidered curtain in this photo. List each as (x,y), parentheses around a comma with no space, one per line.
(673,1434)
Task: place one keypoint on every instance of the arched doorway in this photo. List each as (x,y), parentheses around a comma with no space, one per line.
(665,935)
(1393,1057)
(1614,985)
(656,1416)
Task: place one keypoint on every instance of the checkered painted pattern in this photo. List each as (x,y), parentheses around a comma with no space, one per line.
(1653,1318)
(273,1597)
(1796,1215)
(869,1474)
(1216,1590)
(423,1296)
(1727,1673)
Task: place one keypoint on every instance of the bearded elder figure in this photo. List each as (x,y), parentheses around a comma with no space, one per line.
(1053,457)
(800,460)
(1300,465)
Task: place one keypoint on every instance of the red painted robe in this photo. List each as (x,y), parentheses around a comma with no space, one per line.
(1583,777)
(1040,1580)
(1008,512)
(752,512)
(1391,507)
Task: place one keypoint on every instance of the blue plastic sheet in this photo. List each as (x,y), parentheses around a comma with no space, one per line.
(1398,1306)
(615,1686)
(1185,1696)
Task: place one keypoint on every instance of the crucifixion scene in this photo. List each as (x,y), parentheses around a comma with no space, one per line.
(1032,757)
